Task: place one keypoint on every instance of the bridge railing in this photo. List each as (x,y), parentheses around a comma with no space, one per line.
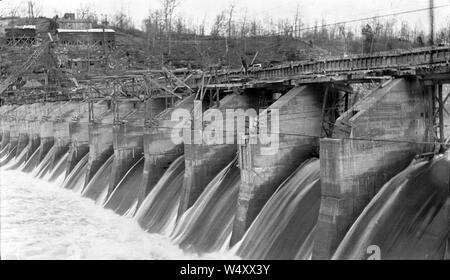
(383,60)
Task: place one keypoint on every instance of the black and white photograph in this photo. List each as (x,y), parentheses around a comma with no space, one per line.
(232,132)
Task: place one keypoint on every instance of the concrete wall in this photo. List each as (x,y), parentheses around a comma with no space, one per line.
(101,135)
(159,149)
(5,125)
(261,174)
(204,161)
(79,135)
(33,123)
(15,126)
(352,171)
(128,139)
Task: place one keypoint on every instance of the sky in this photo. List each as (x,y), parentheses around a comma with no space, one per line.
(310,10)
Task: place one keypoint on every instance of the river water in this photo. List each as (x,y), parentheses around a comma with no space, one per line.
(39,220)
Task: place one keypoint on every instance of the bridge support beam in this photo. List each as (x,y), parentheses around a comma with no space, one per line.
(397,119)
(265,167)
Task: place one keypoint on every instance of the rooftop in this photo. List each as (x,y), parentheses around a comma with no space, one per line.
(23,27)
(92,30)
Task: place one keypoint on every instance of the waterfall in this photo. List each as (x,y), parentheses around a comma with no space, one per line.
(75,180)
(283,229)
(125,195)
(207,225)
(32,162)
(99,183)
(4,151)
(18,160)
(11,154)
(407,218)
(59,169)
(158,212)
(45,165)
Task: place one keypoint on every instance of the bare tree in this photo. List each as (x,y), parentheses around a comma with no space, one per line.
(297,22)
(218,25)
(244,31)
(13,11)
(86,12)
(122,21)
(230,13)
(230,17)
(33,9)
(202,26)
(168,8)
(153,26)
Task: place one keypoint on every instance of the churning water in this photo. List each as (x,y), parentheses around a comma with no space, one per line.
(40,220)
(44,215)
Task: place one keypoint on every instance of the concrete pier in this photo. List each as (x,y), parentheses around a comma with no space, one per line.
(79,136)
(100,137)
(60,128)
(5,112)
(46,131)
(33,126)
(396,118)
(22,127)
(14,123)
(128,134)
(265,167)
(5,124)
(203,161)
(159,149)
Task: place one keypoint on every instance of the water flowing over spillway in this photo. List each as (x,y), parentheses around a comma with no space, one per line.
(47,213)
(406,219)
(207,225)
(75,179)
(32,162)
(100,182)
(42,221)
(9,156)
(158,211)
(124,198)
(284,228)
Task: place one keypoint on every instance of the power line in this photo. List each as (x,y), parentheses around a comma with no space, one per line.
(376,17)
(365,19)
(224,132)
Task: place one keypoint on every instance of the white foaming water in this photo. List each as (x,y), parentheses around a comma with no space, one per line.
(42,221)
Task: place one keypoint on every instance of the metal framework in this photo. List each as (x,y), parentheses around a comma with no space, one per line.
(421,61)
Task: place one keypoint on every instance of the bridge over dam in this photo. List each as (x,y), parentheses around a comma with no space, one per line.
(314,159)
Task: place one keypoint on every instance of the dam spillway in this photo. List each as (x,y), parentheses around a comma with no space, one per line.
(305,171)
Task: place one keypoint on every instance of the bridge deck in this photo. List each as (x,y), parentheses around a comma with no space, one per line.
(423,61)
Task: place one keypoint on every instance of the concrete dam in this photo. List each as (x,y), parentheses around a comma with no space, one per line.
(319,160)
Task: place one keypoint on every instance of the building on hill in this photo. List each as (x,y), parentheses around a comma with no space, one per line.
(20,35)
(92,36)
(71,23)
